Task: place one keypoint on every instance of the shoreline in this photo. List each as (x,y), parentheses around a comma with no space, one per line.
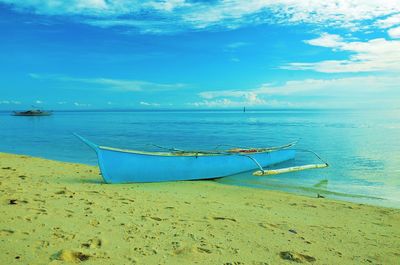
(308,192)
(57,212)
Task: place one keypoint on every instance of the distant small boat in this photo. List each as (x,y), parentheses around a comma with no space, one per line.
(35,112)
(123,166)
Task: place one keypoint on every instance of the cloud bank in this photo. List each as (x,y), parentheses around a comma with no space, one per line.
(170,16)
(339,92)
(112,84)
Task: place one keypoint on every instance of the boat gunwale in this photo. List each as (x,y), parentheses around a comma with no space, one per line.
(187,154)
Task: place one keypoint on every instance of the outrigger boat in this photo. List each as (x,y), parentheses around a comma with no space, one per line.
(124,166)
(33,112)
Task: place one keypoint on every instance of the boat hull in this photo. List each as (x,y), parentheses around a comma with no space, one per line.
(125,167)
(33,115)
(30,114)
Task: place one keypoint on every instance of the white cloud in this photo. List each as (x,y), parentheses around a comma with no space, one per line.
(394,32)
(326,40)
(236,45)
(168,5)
(9,102)
(218,103)
(115,84)
(229,98)
(388,22)
(78,104)
(178,15)
(369,56)
(143,103)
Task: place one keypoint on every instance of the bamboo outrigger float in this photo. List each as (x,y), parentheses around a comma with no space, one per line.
(124,166)
(288,169)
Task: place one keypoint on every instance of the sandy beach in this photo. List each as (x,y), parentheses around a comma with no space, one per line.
(58,213)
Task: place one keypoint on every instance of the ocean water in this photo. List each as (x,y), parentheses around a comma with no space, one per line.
(362,147)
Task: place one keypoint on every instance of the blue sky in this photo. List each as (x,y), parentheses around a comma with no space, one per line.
(95,54)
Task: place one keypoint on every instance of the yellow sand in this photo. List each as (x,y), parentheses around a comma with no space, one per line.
(61,213)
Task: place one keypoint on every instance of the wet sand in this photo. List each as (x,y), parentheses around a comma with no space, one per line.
(60,213)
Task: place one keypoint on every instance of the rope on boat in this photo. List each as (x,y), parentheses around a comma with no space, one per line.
(263,172)
(171,149)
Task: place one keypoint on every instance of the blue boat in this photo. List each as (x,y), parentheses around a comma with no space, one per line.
(124,166)
(33,112)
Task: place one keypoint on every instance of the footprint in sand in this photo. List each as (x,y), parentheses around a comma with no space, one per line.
(6,232)
(93,243)
(16,201)
(58,233)
(224,218)
(71,256)
(296,257)
(94,222)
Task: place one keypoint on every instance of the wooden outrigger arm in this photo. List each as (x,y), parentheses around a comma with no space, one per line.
(264,172)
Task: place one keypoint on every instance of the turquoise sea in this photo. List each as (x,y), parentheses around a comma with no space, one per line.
(362,147)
